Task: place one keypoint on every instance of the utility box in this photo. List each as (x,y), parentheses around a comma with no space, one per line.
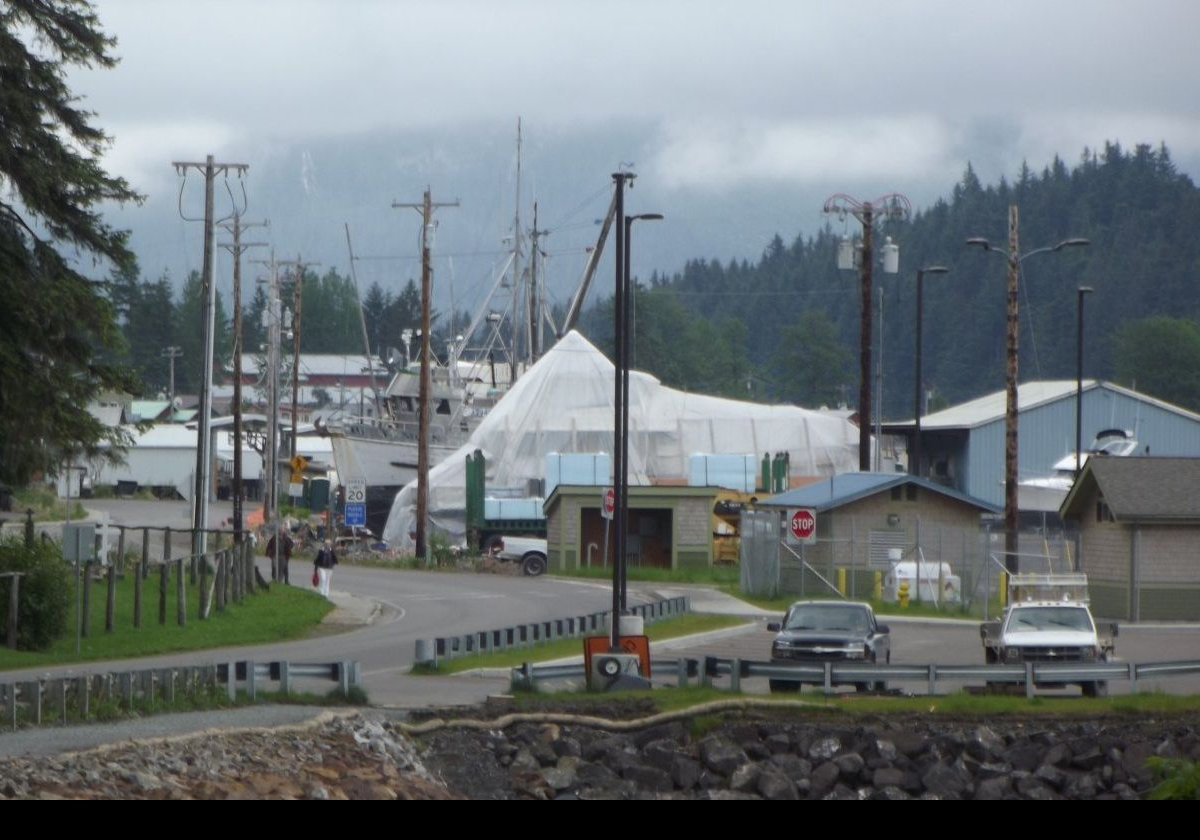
(79,542)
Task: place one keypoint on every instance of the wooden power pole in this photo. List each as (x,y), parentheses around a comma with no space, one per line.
(425,208)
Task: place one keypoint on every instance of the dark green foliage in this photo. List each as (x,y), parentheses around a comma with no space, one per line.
(329,321)
(1178,778)
(44,595)
(59,329)
(387,315)
(1161,356)
(188,329)
(813,366)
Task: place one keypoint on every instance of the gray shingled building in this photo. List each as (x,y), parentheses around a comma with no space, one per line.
(1139,531)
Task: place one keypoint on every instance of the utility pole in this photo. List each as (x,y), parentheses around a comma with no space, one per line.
(297,301)
(274,317)
(236,227)
(620,417)
(171,353)
(203,455)
(425,208)
(1013,331)
(535,302)
(891,206)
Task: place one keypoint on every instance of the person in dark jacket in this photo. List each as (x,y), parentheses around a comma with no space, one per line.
(324,563)
(285,554)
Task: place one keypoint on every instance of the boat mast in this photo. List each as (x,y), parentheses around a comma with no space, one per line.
(518,284)
(362,321)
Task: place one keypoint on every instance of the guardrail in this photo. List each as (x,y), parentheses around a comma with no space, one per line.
(830,674)
(77,698)
(429,651)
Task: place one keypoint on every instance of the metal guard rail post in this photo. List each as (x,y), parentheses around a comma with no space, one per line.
(837,673)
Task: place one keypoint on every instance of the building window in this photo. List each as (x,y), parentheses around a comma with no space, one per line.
(911,492)
(897,493)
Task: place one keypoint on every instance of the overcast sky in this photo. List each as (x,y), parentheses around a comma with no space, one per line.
(728,98)
(737,90)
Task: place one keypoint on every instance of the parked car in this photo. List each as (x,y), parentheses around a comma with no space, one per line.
(530,552)
(829,631)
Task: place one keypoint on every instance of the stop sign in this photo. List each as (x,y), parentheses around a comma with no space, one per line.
(610,503)
(803,525)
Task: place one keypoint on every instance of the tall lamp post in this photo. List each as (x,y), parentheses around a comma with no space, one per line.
(626,355)
(891,206)
(914,467)
(1014,258)
(1082,290)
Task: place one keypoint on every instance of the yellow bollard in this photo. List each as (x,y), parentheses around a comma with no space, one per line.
(877,590)
(841,579)
(1003,589)
(902,594)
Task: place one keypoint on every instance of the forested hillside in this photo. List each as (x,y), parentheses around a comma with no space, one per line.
(787,327)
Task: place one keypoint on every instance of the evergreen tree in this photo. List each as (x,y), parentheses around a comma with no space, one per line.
(59,326)
(188,328)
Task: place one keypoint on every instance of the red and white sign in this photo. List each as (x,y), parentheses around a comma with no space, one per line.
(803,525)
(610,503)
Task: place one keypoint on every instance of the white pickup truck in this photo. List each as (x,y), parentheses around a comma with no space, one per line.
(1048,620)
(530,552)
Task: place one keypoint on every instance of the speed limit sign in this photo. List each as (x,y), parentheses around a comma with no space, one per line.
(356,491)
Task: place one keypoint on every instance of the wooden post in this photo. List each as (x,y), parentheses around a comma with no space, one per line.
(110,604)
(248,567)
(180,594)
(139,573)
(221,575)
(202,595)
(85,621)
(14,591)
(83,691)
(164,574)
(120,564)
(166,554)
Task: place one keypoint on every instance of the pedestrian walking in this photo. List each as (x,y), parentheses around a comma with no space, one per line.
(324,563)
(284,548)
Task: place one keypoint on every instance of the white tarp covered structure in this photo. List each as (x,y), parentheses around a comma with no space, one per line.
(564,403)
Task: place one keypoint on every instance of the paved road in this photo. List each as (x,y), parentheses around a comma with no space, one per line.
(916,641)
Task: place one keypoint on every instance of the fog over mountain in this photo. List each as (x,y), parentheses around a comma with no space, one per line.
(740,119)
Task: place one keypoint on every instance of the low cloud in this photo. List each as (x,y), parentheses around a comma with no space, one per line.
(692,154)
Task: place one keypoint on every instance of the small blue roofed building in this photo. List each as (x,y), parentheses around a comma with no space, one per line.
(867,521)
(963,446)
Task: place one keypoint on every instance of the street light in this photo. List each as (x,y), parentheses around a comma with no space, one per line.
(914,467)
(891,206)
(1014,258)
(1082,290)
(623,495)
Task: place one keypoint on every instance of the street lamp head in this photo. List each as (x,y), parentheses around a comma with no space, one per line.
(935,269)
(645,217)
(1086,290)
(1072,243)
(981,242)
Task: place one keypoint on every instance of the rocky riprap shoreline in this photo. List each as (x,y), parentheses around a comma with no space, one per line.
(776,759)
(743,755)
(343,758)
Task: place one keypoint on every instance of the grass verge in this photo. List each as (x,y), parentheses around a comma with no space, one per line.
(284,612)
(669,628)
